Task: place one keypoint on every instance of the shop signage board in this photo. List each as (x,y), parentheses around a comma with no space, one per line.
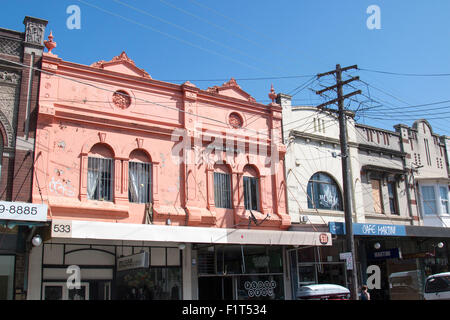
(369,229)
(23,211)
(385,254)
(135,261)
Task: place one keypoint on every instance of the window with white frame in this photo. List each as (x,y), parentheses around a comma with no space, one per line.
(429,200)
(139,177)
(100,175)
(434,199)
(444,199)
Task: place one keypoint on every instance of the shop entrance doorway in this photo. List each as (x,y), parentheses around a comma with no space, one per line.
(215,288)
(89,290)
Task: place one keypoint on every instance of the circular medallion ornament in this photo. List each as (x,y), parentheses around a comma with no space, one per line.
(121,99)
(235,120)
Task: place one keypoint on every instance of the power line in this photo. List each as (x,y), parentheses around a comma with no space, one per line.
(169,35)
(407,74)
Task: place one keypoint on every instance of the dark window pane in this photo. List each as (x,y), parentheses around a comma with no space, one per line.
(222,190)
(251,193)
(323,193)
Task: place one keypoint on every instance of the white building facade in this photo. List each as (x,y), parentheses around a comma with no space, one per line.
(393,173)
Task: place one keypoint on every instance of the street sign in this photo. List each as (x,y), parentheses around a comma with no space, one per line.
(347,256)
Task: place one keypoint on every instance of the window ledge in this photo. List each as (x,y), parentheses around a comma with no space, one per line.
(384,216)
(90,207)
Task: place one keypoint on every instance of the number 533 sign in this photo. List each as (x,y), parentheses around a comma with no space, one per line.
(61,229)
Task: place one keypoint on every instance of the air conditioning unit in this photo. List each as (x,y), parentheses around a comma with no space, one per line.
(304,219)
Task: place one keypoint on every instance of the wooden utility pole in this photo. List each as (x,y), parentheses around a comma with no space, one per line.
(345,157)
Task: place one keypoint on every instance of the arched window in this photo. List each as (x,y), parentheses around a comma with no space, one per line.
(140,177)
(222,187)
(323,193)
(100,173)
(251,189)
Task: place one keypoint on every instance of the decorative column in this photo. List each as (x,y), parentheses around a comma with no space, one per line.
(210,188)
(121,180)
(83,178)
(155,180)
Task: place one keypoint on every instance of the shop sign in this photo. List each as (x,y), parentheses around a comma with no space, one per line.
(135,261)
(369,229)
(419,255)
(260,288)
(347,256)
(261,262)
(385,254)
(23,211)
(323,238)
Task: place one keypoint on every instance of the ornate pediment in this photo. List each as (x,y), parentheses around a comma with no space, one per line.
(122,64)
(231,89)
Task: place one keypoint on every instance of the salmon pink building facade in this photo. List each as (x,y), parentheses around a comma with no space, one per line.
(116,112)
(147,181)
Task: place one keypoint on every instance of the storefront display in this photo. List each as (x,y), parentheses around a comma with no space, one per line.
(154,283)
(7,277)
(241,272)
(317,265)
(109,271)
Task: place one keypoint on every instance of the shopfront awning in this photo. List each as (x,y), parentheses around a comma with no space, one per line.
(78,229)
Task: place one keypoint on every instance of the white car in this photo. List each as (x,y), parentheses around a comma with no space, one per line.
(437,287)
(323,292)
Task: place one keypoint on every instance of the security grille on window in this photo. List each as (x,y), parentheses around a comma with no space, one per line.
(100,179)
(323,193)
(222,190)
(139,189)
(251,193)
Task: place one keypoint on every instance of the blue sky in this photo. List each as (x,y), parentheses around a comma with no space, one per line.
(198,40)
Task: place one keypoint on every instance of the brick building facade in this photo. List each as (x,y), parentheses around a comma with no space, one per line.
(19,85)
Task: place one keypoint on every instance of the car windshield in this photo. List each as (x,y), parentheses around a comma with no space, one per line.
(438,284)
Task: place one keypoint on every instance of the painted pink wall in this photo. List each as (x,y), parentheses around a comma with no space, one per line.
(76,113)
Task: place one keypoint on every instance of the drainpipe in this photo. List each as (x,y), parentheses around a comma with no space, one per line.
(30,81)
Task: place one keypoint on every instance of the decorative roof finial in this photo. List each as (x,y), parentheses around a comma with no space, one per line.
(272,94)
(50,44)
